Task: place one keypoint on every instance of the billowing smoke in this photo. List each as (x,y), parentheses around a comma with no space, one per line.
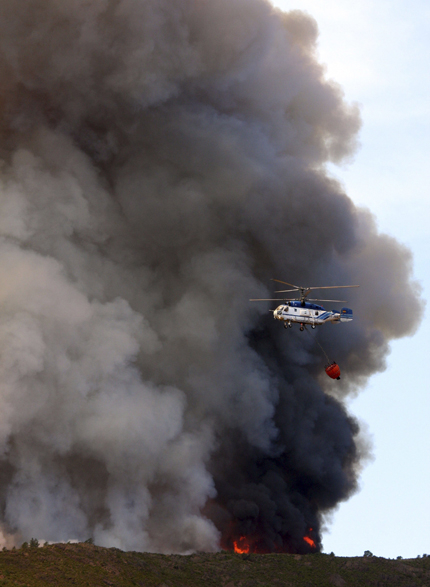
(161,160)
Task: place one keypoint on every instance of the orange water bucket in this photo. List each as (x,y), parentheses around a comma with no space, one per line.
(333,371)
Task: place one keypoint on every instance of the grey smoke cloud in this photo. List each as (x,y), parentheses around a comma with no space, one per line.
(161,161)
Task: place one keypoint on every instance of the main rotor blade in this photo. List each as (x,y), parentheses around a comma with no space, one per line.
(318,300)
(331,286)
(269,300)
(284,290)
(286,283)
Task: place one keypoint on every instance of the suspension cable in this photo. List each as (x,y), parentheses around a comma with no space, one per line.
(326,356)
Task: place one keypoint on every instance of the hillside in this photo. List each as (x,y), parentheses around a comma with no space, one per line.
(88,565)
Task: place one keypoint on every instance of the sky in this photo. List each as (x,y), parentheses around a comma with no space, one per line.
(378,51)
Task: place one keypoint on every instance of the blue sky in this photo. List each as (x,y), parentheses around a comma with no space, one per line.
(379,52)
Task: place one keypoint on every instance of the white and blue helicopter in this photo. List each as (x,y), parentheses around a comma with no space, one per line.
(302,311)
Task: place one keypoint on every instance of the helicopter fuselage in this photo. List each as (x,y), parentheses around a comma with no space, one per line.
(308,313)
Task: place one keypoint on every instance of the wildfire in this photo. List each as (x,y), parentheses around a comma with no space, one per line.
(241,546)
(252,543)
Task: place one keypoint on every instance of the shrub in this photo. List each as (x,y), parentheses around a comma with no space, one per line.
(34,543)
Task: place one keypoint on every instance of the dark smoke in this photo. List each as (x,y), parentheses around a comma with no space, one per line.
(161,161)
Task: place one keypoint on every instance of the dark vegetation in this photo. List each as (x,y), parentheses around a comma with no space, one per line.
(87,565)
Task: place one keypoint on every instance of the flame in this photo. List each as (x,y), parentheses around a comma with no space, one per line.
(241,546)
(309,541)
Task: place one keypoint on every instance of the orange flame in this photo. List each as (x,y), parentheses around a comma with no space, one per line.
(241,546)
(309,541)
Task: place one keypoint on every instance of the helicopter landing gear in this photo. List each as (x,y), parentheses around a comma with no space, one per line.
(290,324)
(285,325)
(313,326)
(302,327)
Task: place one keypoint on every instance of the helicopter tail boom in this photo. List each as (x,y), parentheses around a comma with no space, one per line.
(346,315)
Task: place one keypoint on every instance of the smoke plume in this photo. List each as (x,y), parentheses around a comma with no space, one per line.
(161,161)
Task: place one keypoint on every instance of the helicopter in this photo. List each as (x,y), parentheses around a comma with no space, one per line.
(302,311)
